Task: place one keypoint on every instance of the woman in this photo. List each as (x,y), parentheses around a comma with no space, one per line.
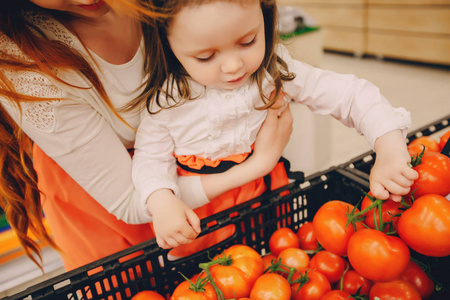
(68,67)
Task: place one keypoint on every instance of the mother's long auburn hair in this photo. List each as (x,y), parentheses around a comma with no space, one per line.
(20,196)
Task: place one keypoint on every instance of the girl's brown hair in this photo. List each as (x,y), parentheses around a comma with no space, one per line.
(20,196)
(168,72)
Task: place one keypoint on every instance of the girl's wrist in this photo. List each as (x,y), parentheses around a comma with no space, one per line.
(154,199)
(217,184)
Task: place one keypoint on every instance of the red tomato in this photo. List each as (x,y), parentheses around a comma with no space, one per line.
(430,143)
(337,295)
(434,175)
(307,237)
(377,256)
(396,289)
(236,279)
(329,264)
(183,291)
(389,209)
(147,295)
(267,260)
(419,279)
(425,227)
(271,286)
(281,239)
(294,258)
(329,225)
(317,286)
(443,140)
(353,281)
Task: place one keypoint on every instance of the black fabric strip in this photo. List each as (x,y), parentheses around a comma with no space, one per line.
(226,165)
(222,167)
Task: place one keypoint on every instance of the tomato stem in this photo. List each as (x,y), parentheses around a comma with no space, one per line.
(277,266)
(417,159)
(341,280)
(312,252)
(199,285)
(302,280)
(353,217)
(376,205)
(221,260)
(224,260)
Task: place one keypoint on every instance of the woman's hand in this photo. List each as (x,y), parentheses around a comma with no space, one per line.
(272,138)
(174,222)
(391,177)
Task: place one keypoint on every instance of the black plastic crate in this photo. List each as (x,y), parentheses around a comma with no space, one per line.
(362,164)
(119,277)
(147,267)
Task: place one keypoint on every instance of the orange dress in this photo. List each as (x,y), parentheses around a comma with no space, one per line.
(80,226)
(86,232)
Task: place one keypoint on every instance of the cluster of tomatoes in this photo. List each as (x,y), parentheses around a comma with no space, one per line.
(432,165)
(345,252)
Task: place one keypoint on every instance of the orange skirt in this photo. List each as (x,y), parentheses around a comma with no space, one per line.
(278,178)
(80,226)
(86,232)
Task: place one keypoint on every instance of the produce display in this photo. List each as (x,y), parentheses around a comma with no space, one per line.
(360,254)
(325,238)
(360,251)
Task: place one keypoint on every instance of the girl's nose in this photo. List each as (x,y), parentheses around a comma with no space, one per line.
(231,64)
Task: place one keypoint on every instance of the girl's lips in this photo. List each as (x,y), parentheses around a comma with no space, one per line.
(92,6)
(237,79)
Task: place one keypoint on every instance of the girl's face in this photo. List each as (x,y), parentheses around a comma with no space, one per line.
(220,43)
(81,8)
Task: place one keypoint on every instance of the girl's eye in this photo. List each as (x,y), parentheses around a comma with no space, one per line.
(248,44)
(205,59)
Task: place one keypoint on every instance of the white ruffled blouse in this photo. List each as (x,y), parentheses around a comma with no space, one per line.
(220,123)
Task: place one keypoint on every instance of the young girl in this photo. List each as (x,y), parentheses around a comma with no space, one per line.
(67,67)
(218,64)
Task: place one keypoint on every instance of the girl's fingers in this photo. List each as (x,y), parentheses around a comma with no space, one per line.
(410,173)
(194,221)
(162,243)
(395,198)
(396,189)
(403,181)
(378,190)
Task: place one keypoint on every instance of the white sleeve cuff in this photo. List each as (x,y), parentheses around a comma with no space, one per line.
(191,191)
(382,119)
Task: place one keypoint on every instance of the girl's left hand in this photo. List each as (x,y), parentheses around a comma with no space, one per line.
(391,176)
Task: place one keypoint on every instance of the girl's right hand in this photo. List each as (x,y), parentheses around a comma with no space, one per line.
(174,222)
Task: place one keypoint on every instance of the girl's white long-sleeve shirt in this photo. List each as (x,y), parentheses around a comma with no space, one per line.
(78,130)
(219,123)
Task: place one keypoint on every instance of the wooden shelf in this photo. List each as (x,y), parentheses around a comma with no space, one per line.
(416,30)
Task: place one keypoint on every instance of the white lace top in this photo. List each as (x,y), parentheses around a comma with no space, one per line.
(220,123)
(78,130)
